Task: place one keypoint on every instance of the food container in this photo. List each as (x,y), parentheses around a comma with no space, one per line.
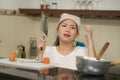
(91,66)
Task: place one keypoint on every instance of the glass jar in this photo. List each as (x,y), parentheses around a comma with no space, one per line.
(54,5)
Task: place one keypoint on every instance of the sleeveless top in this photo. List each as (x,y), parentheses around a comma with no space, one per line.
(64,61)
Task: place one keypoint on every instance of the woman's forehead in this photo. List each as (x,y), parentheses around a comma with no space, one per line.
(68,21)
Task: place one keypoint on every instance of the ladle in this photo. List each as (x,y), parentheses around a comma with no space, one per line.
(102,50)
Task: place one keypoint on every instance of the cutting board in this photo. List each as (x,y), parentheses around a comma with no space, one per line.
(26,64)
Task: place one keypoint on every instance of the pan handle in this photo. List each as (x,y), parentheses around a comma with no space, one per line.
(103,50)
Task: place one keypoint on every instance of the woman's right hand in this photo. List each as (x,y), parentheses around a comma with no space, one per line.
(41,46)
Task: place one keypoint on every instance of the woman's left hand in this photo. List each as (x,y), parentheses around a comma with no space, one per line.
(88,30)
(91,48)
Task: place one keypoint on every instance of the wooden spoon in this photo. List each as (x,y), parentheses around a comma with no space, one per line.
(102,50)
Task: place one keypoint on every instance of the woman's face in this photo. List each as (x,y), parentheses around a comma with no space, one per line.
(67,30)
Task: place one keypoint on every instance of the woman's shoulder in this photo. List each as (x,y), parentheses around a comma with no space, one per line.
(80,48)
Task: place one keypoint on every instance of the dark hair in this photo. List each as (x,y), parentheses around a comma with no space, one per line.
(57,42)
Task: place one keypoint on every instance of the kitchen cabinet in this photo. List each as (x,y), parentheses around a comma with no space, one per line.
(106,14)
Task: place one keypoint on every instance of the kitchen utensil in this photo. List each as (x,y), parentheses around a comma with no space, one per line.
(33,47)
(102,50)
(93,66)
(44,26)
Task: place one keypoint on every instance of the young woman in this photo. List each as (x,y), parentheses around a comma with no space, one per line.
(64,51)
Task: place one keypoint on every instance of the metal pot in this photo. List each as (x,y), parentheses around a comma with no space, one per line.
(94,66)
(91,66)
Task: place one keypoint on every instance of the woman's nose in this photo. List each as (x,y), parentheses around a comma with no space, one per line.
(67,29)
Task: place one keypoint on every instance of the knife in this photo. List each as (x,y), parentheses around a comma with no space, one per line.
(44,26)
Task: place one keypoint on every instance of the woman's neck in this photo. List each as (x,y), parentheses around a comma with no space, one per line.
(65,49)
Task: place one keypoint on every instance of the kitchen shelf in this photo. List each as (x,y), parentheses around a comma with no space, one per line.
(109,14)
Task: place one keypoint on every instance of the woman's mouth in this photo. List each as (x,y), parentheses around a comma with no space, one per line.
(67,35)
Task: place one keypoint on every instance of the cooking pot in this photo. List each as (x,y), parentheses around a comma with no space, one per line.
(91,66)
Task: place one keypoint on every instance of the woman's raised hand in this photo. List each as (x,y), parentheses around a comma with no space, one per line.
(91,48)
(88,30)
(41,46)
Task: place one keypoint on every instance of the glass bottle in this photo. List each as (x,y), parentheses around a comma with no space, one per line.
(23,53)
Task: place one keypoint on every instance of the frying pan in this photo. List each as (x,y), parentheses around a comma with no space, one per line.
(93,66)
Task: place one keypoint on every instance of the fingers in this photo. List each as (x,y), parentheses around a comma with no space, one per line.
(88,28)
(41,44)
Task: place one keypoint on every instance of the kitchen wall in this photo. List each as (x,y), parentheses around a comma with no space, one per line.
(16,30)
(15,4)
(62,4)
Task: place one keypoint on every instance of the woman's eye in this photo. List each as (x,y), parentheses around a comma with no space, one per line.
(63,25)
(73,27)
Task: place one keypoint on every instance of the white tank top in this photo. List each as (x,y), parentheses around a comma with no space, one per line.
(67,61)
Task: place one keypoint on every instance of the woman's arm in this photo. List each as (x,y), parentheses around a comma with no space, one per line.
(91,48)
(41,47)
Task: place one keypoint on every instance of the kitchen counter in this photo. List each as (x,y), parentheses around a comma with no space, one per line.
(26,74)
(18,72)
